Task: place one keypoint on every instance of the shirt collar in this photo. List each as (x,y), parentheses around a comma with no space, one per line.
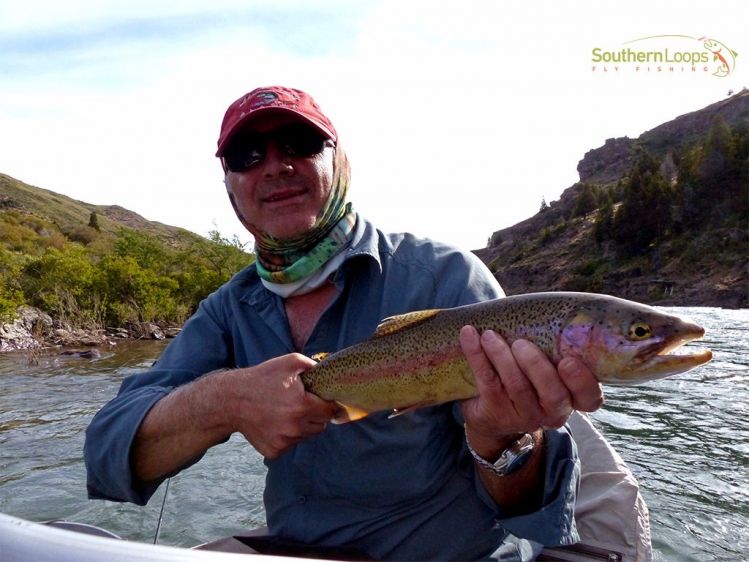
(364,242)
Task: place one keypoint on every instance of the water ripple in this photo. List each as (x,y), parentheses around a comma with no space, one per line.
(685,438)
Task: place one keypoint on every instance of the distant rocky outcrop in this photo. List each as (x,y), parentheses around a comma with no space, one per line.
(557,249)
(687,128)
(607,163)
(611,161)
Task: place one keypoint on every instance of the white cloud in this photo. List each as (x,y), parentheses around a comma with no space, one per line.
(457,119)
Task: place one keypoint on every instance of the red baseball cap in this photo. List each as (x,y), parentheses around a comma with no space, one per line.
(261,101)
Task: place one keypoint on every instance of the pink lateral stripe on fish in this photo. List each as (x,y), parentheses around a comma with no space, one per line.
(414,359)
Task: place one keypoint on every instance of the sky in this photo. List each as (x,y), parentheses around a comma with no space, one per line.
(457,119)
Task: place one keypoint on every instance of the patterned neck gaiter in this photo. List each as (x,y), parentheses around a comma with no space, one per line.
(291,260)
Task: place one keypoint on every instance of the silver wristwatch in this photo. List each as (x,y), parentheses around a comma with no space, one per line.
(511,459)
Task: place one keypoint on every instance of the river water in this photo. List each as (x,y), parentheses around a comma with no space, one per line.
(685,438)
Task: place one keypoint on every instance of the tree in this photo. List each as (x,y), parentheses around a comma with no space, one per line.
(146,249)
(585,202)
(11,296)
(93,221)
(646,210)
(714,177)
(717,163)
(61,282)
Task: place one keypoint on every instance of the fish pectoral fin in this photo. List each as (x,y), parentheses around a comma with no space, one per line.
(400,411)
(348,413)
(393,324)
(320,356)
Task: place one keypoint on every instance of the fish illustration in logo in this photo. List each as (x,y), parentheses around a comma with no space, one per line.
(722,53)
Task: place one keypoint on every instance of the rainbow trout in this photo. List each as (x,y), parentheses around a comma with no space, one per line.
(414,359)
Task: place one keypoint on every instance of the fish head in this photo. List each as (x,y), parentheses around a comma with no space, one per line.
(625,343)
(711,45)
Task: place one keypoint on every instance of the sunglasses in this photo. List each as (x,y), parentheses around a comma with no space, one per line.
(248,149)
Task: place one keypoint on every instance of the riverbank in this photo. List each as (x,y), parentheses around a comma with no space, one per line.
(35,330)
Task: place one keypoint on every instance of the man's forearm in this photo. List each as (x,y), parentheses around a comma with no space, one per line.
(266,403)
(519,492)
(180,427)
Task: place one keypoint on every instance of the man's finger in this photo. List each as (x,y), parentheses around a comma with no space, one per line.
(516,383)
(317,409)
(483,371)
(553,395)
(587,395)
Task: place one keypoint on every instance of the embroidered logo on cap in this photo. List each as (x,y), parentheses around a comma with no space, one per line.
(262,99)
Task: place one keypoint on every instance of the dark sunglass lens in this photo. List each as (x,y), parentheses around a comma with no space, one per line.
(300,141)
(245,153)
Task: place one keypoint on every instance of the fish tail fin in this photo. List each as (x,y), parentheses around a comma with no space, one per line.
(348,413)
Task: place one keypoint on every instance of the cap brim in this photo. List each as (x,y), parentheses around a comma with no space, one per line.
(264,112)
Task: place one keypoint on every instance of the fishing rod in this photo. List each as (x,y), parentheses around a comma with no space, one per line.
(161,513)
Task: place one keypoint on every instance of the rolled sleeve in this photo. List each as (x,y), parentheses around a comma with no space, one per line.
(554,523)
(109,440)
(109,437)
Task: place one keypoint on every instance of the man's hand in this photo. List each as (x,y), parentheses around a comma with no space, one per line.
(267,403)
(520,390)
(270,407)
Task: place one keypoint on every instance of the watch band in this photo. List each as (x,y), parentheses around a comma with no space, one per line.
(511,459)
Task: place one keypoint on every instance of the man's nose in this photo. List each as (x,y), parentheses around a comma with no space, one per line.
(276,162)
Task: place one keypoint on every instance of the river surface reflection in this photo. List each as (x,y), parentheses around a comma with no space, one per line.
(686,439)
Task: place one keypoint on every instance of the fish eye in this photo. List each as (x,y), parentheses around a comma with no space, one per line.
(639,331)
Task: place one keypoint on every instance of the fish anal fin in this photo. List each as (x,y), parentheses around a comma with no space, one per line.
(394,324)
(348,413)
(400,411)
(320,356)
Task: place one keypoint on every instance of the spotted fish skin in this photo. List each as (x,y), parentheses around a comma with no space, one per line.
(415,359)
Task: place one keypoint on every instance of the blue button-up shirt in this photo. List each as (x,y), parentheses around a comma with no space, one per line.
(402,488)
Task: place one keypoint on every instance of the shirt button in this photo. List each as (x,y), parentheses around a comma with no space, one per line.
(301,500)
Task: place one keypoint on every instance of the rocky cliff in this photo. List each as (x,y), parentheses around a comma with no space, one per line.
(556,249)
(611,161)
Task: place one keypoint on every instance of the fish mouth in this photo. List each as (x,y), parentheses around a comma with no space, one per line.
(659,359)
(665,364)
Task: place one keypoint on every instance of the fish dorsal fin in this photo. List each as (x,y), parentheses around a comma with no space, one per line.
(393,324)
(320,356)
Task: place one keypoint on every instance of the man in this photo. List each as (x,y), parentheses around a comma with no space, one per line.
(404,488)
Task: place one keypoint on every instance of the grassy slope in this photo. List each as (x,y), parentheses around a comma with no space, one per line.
(68,214)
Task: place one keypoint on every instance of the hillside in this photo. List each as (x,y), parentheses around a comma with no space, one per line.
(98,270)
(661,219)
(68,214)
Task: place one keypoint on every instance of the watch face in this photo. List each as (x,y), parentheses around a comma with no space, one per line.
(517,461)
(511,459)
(515,456)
